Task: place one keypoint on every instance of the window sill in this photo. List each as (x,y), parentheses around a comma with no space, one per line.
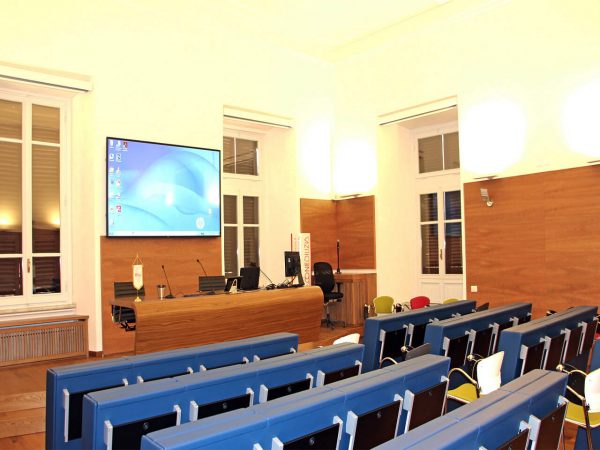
(26,312)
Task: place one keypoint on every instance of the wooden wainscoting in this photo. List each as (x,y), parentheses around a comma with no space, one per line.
(539,242)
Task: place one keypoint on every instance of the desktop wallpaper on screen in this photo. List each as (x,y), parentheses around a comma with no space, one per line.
(162,190)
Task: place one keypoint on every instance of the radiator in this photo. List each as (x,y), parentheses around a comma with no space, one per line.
(28,341)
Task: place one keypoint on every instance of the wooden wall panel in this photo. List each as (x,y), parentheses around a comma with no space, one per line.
(356,232)
(179,258)
(317,217)
(352,221)
(539,242)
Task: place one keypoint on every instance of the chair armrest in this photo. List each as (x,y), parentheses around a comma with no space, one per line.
(389,359)
(467,377)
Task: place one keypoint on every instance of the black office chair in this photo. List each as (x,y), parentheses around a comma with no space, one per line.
(325,280)
(125,316)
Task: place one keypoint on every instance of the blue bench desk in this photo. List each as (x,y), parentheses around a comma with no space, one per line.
(418,317)
(528,334)
(491,420)
(302,414)
(66,386)
(439,333)
(200,395)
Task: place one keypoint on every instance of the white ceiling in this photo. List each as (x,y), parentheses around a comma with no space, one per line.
(321,27)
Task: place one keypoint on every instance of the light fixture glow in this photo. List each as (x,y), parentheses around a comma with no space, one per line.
(492,136)
(355,168)
(580,119)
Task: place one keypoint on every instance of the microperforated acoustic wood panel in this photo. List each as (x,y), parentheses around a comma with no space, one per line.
(539,242)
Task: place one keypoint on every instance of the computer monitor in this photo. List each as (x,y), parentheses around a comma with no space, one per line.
(288,388)
(75,404)
(573,340)
(223,406)
(391,343)
(425,405)
(129,435)
(375,427)
(211,283)
(554,350)
(456,350)
(524,319)
(589,334)
(417,334)
(250,276)
(498,329)
(519,442)
(292,264)
(532,357)
(545,433)
(482,341)
(326,438)
(337,375)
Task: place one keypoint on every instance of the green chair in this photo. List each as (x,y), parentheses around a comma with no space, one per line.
(384,305)
(450,300)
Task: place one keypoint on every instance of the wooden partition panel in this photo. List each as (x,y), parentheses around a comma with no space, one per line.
(318,218)
(351,221)
(178,255)
(356,231)
(539,242)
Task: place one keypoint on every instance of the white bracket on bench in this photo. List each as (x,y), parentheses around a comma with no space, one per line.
(108,434)
(66,408)
(139,379)
(202,368)
(190,370)
(193,411)
(177,409)
(245,360)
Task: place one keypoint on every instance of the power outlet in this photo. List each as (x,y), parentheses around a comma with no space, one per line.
(473,288)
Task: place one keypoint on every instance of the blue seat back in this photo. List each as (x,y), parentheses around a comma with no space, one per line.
(374,325)
(66,386)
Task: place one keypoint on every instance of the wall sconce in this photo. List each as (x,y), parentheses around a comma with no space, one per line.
(486,197)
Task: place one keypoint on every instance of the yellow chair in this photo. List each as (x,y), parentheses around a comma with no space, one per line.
(584,410)
(384,305)
(488,379)
(450,300)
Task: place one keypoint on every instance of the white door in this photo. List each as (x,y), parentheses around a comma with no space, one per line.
(439,211)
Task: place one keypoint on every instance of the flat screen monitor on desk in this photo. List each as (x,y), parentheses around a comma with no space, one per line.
(481,342)
(211,283)
(292,266)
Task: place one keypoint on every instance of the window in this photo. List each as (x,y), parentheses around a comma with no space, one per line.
(242,187)
(240,156)
(241,238)
(32,199)
(438,153)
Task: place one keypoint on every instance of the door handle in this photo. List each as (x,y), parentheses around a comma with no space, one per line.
(441,255)
(28,265)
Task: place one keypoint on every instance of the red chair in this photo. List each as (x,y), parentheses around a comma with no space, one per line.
(419,302)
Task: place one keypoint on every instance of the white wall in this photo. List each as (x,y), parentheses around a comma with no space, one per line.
(512,63)
(163,72)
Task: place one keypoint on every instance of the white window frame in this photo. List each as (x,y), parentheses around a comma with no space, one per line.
(30,301)
(241,186)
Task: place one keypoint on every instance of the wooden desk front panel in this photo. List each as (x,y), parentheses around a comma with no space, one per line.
(359,289)
(186,322)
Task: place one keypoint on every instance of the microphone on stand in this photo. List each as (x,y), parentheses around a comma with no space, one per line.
(170,295)
(269,286)
(338,257)
(203,270)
